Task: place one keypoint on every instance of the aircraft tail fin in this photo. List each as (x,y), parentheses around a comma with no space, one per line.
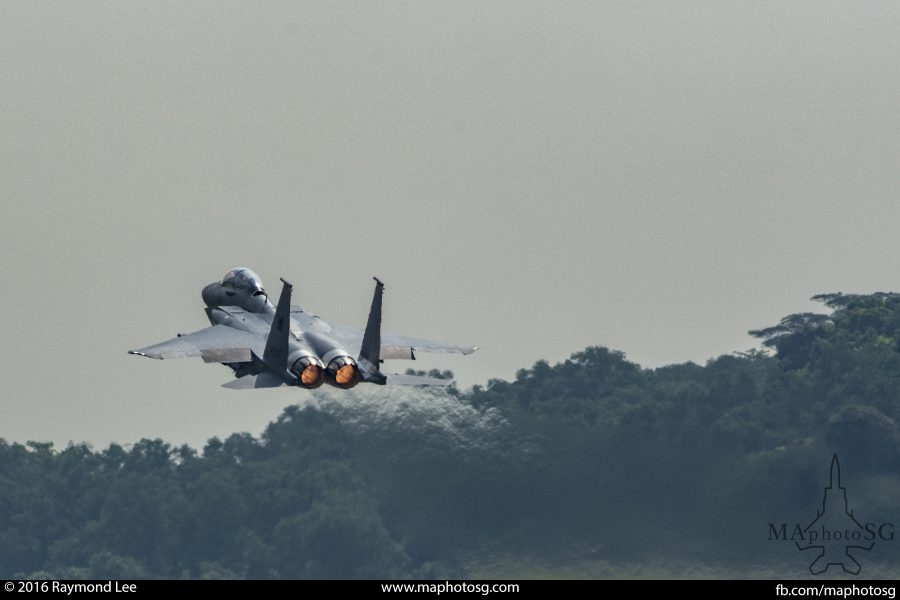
(276,352)
(370,352)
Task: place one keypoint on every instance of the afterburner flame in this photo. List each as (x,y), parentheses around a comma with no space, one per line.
(308,371)
(345,374)
(310,375)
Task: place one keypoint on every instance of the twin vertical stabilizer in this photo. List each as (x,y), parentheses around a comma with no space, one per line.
(276,352)
(370,352)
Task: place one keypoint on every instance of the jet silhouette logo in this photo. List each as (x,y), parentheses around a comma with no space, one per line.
(835,534)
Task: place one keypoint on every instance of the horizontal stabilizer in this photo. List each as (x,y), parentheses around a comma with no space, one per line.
(266,379)
(402,352)
(397,346)
(398,379)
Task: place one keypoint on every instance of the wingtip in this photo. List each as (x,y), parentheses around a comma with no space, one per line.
(139,353)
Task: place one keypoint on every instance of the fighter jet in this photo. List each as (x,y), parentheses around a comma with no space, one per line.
(270,346)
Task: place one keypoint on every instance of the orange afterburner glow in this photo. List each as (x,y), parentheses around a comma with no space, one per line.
(345,374)
(308,371)
(310,375)
(342,372)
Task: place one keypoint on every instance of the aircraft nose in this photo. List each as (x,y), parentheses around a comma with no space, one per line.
(209,295)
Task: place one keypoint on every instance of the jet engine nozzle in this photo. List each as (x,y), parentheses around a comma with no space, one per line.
(309,371)
(342,372)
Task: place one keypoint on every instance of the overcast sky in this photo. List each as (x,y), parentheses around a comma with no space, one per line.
(529,177)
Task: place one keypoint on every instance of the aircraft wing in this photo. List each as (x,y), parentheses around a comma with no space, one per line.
(397,346)
(218,343)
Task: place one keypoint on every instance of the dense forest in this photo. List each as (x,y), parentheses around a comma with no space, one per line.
(593,466)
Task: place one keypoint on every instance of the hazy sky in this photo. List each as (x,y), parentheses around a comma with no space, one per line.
(529,177)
